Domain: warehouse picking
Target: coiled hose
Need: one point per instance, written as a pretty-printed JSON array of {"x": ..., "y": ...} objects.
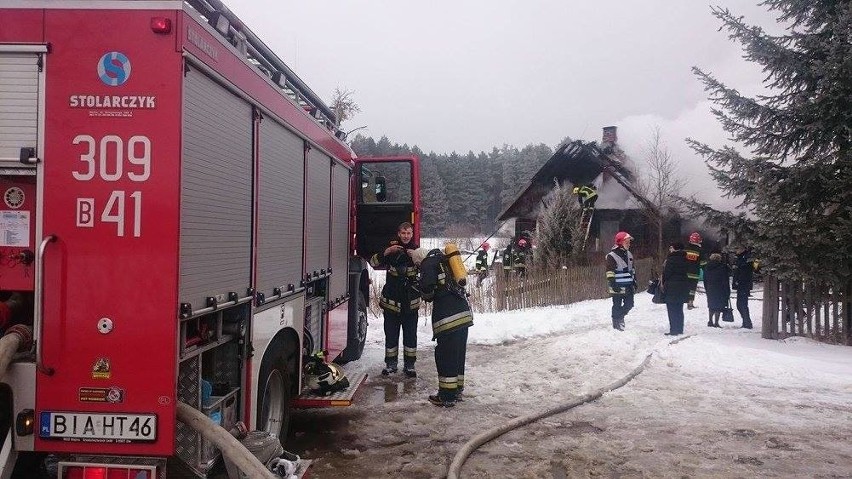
[
  {"x": 231, "y": 448},
  {"x": 480, "y": 439},
  {"x": 18, "y": 338}
]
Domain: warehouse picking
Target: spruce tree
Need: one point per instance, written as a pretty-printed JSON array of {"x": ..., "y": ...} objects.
[
  {"x": 792, "y": 166},
  {"x": 558, "y": 228}
]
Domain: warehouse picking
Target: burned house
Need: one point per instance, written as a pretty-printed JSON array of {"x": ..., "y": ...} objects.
[{"x": 620, "y": 205}]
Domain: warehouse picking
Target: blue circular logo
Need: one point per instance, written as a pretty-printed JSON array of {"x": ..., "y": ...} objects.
[{"x": 114, "y": 68}]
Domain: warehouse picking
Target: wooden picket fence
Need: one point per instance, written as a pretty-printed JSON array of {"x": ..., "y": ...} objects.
[
  {"x": 543, "y": 287},
  {"x": 798, "y": 308}
]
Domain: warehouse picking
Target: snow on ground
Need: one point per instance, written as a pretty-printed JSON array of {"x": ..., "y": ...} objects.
[{"x": 722, "y": 403}]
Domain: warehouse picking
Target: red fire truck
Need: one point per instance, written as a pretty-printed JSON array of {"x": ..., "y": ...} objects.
[{"x": 182, "y": 223}]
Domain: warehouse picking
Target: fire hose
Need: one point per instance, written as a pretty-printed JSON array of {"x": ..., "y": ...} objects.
[
  {"x": 231, "y": 448},
  {"x": 18, "y": 338},
  {"x": 484, "y": 437}
]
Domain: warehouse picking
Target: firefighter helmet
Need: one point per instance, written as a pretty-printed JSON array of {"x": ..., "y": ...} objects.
[
  {"x": 325, "y": 378},
  {"x": 621, "y": 237},
  {"x": 695, "y": 238},
  {"x": 486, "y": 246}
]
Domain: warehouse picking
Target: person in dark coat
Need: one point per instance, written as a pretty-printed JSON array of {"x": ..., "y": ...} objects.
[
  {"x": 399, "y": 300},
  {"x": 676, "y": 285},
  {"x": 451, "y": 317},
  {"x": 743, "y": 281},
  {"x": 717, "y": 287}
]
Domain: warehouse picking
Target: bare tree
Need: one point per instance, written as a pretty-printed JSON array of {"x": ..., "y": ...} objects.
[
  {"x": 343, "y": 104},
  {"x": 661, "y": 184}
]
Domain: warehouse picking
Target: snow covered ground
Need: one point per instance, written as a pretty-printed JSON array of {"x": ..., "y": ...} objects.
[{"x": 722, "y": 403}]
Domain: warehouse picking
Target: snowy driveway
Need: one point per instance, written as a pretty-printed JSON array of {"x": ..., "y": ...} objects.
[{"x": 723, "y": 403}]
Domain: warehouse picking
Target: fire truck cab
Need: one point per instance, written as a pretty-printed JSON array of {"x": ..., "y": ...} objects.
[{"x": 182, "y": 222}]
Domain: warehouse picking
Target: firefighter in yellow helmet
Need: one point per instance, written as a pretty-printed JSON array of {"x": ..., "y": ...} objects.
[{"x": 586, "y": 196}]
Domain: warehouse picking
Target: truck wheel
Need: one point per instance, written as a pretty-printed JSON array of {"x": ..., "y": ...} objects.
[
  {"x": 274, "y": 391},
  {"x": 357, "y": 335}
]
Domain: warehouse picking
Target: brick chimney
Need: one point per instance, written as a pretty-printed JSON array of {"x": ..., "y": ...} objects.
[{"x": 610, "y": 135}]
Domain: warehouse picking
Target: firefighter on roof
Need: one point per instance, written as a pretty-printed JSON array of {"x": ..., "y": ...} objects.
[
  {"x": 399, "y": 301},
  {"x": 696, "y": 261},
  {"x": 482, "y": 263},
  {"x": 451, "y": 317},
  {"x": 621, "y": 278},
  {"x": 586, "y": 196}
]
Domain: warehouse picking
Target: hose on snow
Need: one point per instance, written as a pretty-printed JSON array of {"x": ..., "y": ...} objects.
[
  {"x": 18, "y": 338},
  {"x": 231, "y": 448},
  {"x": 484, "y": 437}
]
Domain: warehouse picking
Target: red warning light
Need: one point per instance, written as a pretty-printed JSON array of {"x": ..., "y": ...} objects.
[{"x": 161, "y": 25}]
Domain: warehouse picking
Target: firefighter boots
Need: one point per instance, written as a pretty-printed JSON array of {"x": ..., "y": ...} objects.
[
  {"x": 409, "y": 371},
  {"x": 389, "y": 369}
]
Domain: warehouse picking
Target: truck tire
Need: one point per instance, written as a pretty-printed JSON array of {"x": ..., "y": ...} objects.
[
  {"x": 275, "y": 389},
  {"x": 357, "y": 331}
]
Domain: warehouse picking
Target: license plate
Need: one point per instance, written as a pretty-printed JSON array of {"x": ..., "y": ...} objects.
[{"x": 93, "y": 427}]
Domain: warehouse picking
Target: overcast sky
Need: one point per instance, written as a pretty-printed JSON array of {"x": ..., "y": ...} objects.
[{"x": 473, "y": 74}]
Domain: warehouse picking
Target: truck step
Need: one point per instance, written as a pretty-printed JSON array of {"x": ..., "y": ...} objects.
[{"x": 343, "y": 398}]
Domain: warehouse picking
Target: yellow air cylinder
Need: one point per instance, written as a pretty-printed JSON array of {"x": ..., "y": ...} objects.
[{"x": 457, "y": 269}]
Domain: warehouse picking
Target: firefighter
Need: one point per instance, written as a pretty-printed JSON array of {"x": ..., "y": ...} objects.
[
  {"x": 451, "y": 317},
  {"x": 696, "y": 261},
  {"x": 586, "y": 196},
  {"x": 621, "y": 278},
  {"x": 519, "y": 256},
  {"x": 482, "y": 263},
  {"x": 399, "y": 300},
  {"x": 508, "y": 258}
]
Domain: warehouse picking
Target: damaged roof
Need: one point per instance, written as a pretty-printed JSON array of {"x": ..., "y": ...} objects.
[{"x": 577, "y": 162}]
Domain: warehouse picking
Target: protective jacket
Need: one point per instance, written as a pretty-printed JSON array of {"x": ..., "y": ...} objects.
[
  {"x": 450, "y": 309},
  {"x": 482, "y": 260},
  {"x": 695, "y": 261},
  {"x": 508, "y": 258},
  {"x": 620, "y": 272},
  {"x": 586, "y": 195},
  {"x": 399, "y": 293}
]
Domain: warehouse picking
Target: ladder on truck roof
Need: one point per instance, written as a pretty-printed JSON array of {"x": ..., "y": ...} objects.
[{"x": 265, "y": 60}]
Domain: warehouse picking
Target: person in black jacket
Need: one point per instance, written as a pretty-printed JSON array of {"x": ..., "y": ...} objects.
[
  {"x": 717, "y": 287},
  {"x": 696, "y": 260},
  {"x": 399, "y": 301},
  {"x": 676, "y": 285},
  {"x": 743, "y": 282},
  {"x": 451, "y": 317}
]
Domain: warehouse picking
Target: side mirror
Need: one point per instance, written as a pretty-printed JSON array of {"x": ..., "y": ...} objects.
[{"x": 381, "y": 189}]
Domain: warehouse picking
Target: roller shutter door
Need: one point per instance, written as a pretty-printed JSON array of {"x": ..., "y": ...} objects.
[
  {"x": 281, "y": 197},
  {"x": 216, "y": 192},
  {"x": 317, "y": 221},
  {"x": 18, "y": 103},
  {"x": 339, "y": 231}
]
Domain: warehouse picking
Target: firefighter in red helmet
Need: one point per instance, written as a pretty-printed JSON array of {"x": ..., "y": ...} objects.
[
  {"x": 482, "y": 262},
  {"x": 621, "y": 278},
  {"x": 695, "y": 260}
]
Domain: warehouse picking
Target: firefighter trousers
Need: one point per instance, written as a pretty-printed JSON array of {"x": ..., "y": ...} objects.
[
  {"x": 450, "y": 355},
  {"x": 621, "y": 305},
  {"x": 407, "y": 321}
]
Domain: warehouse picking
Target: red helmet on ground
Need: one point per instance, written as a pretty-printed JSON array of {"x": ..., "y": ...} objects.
[
  {"x": 485, "y": 246},
  {"x": 695, "y": 238},
  {"x": 621, "y": 237}
]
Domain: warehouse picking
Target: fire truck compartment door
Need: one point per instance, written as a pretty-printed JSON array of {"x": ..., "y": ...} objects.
[
  {"x": 19, "y": 84},
  {"x": 216, "y": 192}
]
